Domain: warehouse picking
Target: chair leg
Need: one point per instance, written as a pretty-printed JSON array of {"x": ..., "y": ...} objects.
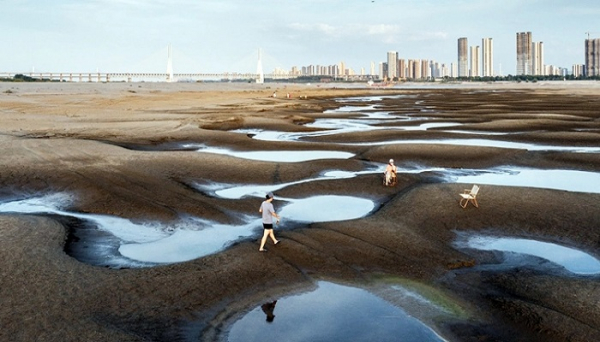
[
  {"x": 461, "y": 203},
  {"x": 475, "y": 203}
]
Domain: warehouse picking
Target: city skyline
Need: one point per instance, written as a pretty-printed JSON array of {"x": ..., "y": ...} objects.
[{"x": 219, "y": 36}]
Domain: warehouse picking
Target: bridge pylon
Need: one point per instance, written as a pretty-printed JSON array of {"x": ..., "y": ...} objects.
[
  {"x": 169, "y": 65},
  {"x": 259, "y": 70}
]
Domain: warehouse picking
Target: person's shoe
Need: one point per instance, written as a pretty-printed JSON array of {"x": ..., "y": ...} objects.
[
  {"x": 278, "y": 241},
  {"x": 262, "y": 250}
]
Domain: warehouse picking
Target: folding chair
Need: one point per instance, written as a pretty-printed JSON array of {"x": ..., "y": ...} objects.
[{"x": 469, "y": 196}]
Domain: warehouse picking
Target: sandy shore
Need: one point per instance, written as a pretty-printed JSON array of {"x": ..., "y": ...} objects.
[{"x": 99, "y": 142}]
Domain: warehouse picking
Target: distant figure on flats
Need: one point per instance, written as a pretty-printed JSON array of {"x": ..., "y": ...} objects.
[
  {"x": 268, "y": 212},
  {"x": 390, "y": 174}
]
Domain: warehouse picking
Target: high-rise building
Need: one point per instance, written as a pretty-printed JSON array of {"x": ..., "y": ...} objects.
[
  {"x": 417, "y": 72},
  {"x": 402, "y": 68},
  {"x": 474, "y": 61},
  {"x": 463, "y": 58},
  {"x": 372, "y": 69},
  {"x": 414, "y": 69},
  {"x": 487, "y": 58},
  {"x": 592, "y": 57},
  {"x": 524, "y": 58},
  {"x": 425, "y": 69},
  {"x": 392, "y": 62},
  {"x": 342, "y": 68},
  {"x": 382, "y": 70},
  {"x": 578, "y": 70},
  {"x": 537, "y": 59}
]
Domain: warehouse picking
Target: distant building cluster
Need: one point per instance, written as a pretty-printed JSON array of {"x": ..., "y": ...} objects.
[{"x": 472, "y": 61}]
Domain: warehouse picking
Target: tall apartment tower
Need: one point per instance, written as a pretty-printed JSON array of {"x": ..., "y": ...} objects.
[
  {"x": 524, "y": 58},
  {"x": 474, "y": 61},
  {"x": 417, "y": 72},
  {"x": 537, "y": 59},
  {"x": 402, "y": 68},
  {"x": 392, "y": 62},
  {"x": 487, "y": 58},
  {"x": 592, "y": 57},
  {"x": 463, "y": 57},
  {"x": 425, "y": 69}
]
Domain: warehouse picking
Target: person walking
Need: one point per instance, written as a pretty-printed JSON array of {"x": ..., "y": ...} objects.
[{"x": 268, "y": 212}]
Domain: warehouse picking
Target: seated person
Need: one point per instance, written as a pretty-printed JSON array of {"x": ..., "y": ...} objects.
[{"x": 390, "y": 172}]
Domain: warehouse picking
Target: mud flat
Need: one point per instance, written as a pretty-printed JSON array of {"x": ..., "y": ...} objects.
[{"x": 122, "y": 152}]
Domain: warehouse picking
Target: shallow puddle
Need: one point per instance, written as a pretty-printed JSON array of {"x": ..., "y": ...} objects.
[
  {"x": 573, "y": 260},
  {"x": 150, "y": 243},
  {"x": 231, "y": 191},
  {"x": 187, "y": 244},
  {"x": 567, "y": 180},
  {"x": 330, "y": 313},
  {"x": 280, "y": 156},
  {"x": 327, "y": 208},
  {"x": 486, "y": 143}
]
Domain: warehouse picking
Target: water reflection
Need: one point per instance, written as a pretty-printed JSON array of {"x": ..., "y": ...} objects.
[
  {"x": 268, "y": 309},
  {"x": 568, "y": 180},
  {"x": 232, "y": 191},
  {"x": 332, "y": 313},
  {"x": 280, "y": 156},
  {"x": 327, "y": 208},
  {"x": 573, "y": 260},
  {"x": 151, "y": 243},
  {"x": 486, "y": 143}
]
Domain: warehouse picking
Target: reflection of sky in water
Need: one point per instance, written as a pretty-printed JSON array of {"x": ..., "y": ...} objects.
[
  {"x": 375, "y": 98},
  {"x": 280, "y": 156},
  {"x": 50, "y": 204},
  {"x": 332, "y": 313},
  {"x": 191, "y": 238},
  {"x": 184, "y": 245},
  {"x": 573, "y": 260},
  {"x": 373, "y": 121},
  {"x": 334, "y": 126},
  {"x": 485, "y": 143},
  {"x": 568, "y": 180},
  {"x": 232, "y": 191},
  {"x": 350, "y": 109},
  {"x": 327, "y": 208}
]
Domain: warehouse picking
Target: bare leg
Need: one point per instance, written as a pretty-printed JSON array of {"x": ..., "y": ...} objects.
[
  {"x": 264, "y": 239},
  {"x": 272, "y": 235}
]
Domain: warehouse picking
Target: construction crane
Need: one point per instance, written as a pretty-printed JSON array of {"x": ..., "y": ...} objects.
[{"x": 588, "y": 34}]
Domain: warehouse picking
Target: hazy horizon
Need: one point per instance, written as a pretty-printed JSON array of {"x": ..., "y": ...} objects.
[{"x": 219, "y": 36}]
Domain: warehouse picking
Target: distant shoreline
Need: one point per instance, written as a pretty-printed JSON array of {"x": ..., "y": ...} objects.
[{"x": 86, "y": 87}]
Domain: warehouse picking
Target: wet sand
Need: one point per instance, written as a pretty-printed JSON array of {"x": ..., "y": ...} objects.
[{"x": 99, "y": 143}]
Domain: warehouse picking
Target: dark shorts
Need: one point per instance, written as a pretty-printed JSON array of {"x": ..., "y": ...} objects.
[{"x": 267, "y": 225}]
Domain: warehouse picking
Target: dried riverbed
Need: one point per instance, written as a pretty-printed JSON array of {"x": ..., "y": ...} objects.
[{"x": 152, "y": 162}]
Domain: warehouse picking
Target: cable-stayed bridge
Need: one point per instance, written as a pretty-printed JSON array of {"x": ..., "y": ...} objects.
[
  {"x": 141, "y": 76},
  {"x": 168, "y": 76}
]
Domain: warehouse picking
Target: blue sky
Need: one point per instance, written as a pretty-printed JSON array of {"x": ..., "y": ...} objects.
[{"x": 225, "y": 35}]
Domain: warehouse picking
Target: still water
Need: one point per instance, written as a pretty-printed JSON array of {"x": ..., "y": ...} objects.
[
  {"x": 332, "y": 312},
  {"x": 148, "y": 243},
  {"x": 573, "y": 260}
]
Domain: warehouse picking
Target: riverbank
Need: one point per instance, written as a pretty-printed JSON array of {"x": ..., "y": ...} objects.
[{"x": 95, "y": 142}]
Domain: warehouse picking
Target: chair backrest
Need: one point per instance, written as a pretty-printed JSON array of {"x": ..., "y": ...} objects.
[{"x": 475, "y": 190}]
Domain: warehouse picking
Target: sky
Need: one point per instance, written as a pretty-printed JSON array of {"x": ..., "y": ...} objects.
[{"x": 216, "y": 36}]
